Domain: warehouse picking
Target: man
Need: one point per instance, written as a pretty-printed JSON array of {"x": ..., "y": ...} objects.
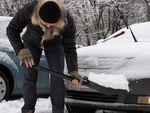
[{"x": 50, "y": 28}]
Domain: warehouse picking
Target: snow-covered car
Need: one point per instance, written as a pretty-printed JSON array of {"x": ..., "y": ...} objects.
[
  {"x": 11, "y": 73},
  {"x": 116, "y": 56}
]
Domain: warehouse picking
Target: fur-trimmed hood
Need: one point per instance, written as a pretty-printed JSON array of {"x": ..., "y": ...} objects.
[{"x": 49, "y": 33}]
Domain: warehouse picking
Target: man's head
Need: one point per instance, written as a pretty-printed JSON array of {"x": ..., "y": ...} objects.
[{"x": 50, "y": 12}]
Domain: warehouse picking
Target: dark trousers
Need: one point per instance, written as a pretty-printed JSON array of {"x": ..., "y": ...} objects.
[{"x": 55, "y": 58}]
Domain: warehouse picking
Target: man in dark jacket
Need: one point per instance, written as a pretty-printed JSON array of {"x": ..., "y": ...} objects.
[{"x": 50, "y": 28}]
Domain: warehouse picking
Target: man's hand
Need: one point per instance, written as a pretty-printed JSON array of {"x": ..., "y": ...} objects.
[
  {"x": 26, "y": 57},
  {"x": 78, "y": 76}
]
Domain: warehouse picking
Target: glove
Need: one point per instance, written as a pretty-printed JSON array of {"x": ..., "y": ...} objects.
[
  {"x": 77, "y": 75},
  {"x": 25, "y": 56}
]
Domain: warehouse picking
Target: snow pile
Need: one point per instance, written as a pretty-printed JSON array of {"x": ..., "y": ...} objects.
[
  {"x": 11, "y": 106},
  {"x": 131, "y": 59},
  {"x": 111, "y": 81},
  {"x": 43, "y": 105}
]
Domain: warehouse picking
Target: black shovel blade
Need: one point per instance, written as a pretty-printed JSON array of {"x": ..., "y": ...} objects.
[{"x": 101, "y": 89}]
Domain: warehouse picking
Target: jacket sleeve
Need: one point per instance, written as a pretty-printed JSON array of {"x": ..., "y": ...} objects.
[
  {"x": 69, "y": 43},
  {"x": 16, "y": 26}
]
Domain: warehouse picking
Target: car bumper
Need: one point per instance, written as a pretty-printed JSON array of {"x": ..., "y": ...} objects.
[
  {"x": 85, "y": 97},
  {"x": 106, "y": 106}
]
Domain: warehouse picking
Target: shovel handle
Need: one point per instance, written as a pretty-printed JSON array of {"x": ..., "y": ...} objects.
[{"x": 61, "y": 75}]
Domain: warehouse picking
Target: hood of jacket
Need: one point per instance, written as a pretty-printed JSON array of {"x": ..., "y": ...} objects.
[{"x": 49, "y": 33}]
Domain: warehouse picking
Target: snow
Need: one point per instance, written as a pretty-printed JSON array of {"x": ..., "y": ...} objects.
[
  {"x": 43, "y": 105},
  {"x": 4, "y": 57},
  {"x": 119, "y": 59},
  {"x": 4, "y": 18},
  {"x": 11, "y": 106},
  {"x": 111, "y": 81}
]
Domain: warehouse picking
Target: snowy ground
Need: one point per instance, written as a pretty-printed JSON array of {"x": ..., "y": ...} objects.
[{"x": 43, "y": 106}]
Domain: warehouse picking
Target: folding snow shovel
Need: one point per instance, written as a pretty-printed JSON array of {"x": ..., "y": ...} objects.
[{"x": 101, "y": 89}]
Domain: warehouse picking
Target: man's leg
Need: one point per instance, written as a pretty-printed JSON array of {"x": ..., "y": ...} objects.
[
  {"x": 30, "y": 78},
  {"x": 55, "y": 58}
]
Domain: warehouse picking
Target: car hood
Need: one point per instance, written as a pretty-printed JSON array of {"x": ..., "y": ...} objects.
[
  {"x": 130, "y": 58},
  {"x": 5, "y": 45}
]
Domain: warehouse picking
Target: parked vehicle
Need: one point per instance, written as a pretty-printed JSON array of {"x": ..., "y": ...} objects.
[
  {"x": 119, "y": 55},
  {"x": 11, "y": 73}
]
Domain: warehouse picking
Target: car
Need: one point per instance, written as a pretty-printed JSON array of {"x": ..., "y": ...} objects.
[
  {"x": 115, "y": 56},
  {"x": 11, "y": 73}
]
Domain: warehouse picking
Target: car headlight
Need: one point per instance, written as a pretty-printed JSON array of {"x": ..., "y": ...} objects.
[
  {"x": 143, "y": 100},
  {"x": 137, "y": 99}
]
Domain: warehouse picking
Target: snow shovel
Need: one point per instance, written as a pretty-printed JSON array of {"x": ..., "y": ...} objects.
[{"x": 101, "y": 89}]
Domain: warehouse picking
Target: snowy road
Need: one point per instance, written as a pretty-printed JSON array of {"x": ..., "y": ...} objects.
[{"x": 43, "y": 106}]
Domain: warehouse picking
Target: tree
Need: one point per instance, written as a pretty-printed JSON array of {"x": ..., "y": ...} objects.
[{"x": 10, "y": 7}]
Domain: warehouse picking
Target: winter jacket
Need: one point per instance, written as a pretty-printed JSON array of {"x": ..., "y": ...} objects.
[{"x": 38, "y": 34}]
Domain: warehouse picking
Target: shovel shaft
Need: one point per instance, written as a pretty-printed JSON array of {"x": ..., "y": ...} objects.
[
  {"x": 70, "y": 78},
  {"x": 54, "y": 73}
]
